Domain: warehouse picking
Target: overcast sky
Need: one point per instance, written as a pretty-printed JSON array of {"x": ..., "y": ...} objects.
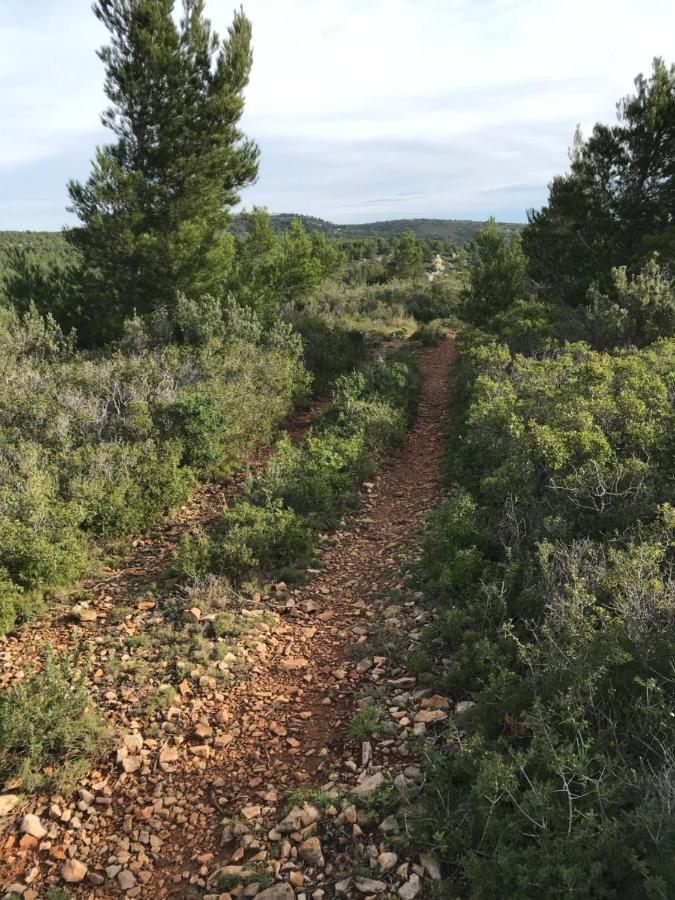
[{"x": 363, "y": 109}]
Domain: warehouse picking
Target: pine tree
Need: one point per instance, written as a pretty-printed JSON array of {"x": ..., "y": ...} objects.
[
  {"x": 496, "y": 275},
  {"x": 407, "y": 258},
  {"x": 616, "y": 205},
  {"x": 154, "y": 210}
]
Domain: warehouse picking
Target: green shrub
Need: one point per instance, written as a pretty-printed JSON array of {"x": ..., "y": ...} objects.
[
  {"x": 638, "y": 311},
  {"x": 364, "y": 724},
  {"x": 248, "y": 539},
  {"x": 328, "y": 349},
  {"x": 314, "y": 478},
  {"x": 12, "y": 602},
  {"x": 123, "y": 488},
  {"x": 431, "y": 334},
  {"x": 47, "y": 721},
  {"x": 551, "y": 564},
  {"x": 103, "y": 444}
]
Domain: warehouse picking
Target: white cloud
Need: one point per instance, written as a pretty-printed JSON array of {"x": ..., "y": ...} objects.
[{"x": 362, "y": 108}]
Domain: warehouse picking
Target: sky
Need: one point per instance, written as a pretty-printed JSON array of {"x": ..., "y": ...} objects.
[{"x": 363, "y": 109}]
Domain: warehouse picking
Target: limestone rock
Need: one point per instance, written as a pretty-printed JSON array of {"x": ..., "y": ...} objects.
[
  {"x": 277, "y": 892},
  {"x": 386, "y": 861},
  {"x": 32, "y": 825},
  {"x": 310, "y": 852},
  {"x": 7, "y": 803},
  {"x": 431, "y": 866},
  {"x": 369, "y": 784},
  {"x": 73, "y": 871},
  {"x": 430, "y": 715},
  {"x": 370, "y": 886},
  {"x": 126, "y": 879},
  {"x": 411, "y": 888}
]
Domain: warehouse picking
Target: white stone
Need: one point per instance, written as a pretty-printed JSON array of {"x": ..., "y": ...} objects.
[
  {"x": 32, "y": 825},
  {"x": 411, "y": 888},
  {"x": 7, "y": 803},
  {"x": 73, "y": 871}
]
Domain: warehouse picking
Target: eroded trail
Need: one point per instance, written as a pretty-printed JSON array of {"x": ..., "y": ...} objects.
[{"x": 153, "y": 824}]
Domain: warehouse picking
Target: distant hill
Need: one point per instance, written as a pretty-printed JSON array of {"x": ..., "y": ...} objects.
[{"x": 458, "y": 230}]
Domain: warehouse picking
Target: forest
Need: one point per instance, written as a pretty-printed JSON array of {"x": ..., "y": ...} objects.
[{"x": 200, "y": 410}]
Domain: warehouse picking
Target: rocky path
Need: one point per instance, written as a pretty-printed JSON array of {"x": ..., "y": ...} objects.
[{"x": 197, "y": 802}]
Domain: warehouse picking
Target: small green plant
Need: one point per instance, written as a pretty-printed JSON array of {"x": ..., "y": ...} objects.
[
  {"x": 318, "y": 797},
  {"x": 384, "y": 801},
  {"x": 160, "y": 698},
  {"x": 418, "y": 661},
  {"x": 48, "y": 721},
  {"x": 227, "y": 625},
  {"x": 56, "y": 893},
  {"x": 364, "y": 724}
]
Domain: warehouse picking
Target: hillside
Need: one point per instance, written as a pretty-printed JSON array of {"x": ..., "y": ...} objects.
[{"x": 458, "y": 230}]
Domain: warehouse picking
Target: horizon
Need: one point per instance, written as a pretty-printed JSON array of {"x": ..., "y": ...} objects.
[
  {"x": 301, "y": 215},
  {"x": 476, "y": 123}
]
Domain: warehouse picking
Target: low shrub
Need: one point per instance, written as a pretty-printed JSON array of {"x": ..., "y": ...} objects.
[
  {"x": 99, "y": 444},
  {"x": 314, "y": 478},
  {"x": 49, "y": 729},
  {"x": 551, "y": 565},
  {"x": 247, "y": 539}
]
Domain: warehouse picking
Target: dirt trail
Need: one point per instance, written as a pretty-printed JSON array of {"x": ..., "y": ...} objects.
[{"x": 233, "y": 750}]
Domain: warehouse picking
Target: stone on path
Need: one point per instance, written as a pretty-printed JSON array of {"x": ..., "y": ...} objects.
[
  {"x": 310, "y": 852},
  {"x": 370, "y": 886},
  {"x": 32, "y": 825},
  {"x": 7, "y": 803},
  {"x": 369, "y": 784},
  {"x": 277, "y": 892},
  {"x": 411, "y": 888},
  {"x": 73, "y": 871},
  {"x": 126, "y": 879}
]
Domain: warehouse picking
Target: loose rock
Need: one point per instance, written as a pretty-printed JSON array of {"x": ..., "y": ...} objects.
[{"x": 73, "y": 871}]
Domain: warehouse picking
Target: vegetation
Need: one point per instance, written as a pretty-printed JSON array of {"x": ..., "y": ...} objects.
[
  {"x": 49, "y": 731},
  {"x": 457, "y": 231},
  {"x": 551, "y": 560},
  {"x": 154, "y": 211},
  {"x": 155, "y": 345},
  {"x": 159, "y": 342},
  {"x": 614, "y": 206},
  {"x": 305, "y": 489},
  {"x": 96, "y": 445}
]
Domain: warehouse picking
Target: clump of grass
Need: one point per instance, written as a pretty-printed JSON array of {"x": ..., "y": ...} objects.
[
  {"x": 160, "y": 698},
  {"x": 318, "y": 797},
  {"x": 57, "y": 893},
  {"x": 364, "y": 724},
  {"x": 258, "y": 876},
  {"x": 49, "y": 728},
  {"x": 418, "y": 661},
  {"x": 226, "y": 625}
]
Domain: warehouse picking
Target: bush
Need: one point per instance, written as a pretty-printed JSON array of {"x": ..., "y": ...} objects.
[
  {"x": 248, "y": 539},
  {"x": 47, "y": 722},
  {"x": 329, "y": 350},
  {"x": 551, "y": 563},
  {"x": 95, "y": 445},
  {"x": 314, "y": 478},
  {"x": 638, "y": 311},
  {"x": 12, "y": 601}
]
